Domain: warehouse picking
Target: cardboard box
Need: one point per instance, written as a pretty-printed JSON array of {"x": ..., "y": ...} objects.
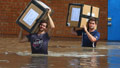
[
  {"x": 32, "y": 15},
  {"x": 78, "y": 14}
]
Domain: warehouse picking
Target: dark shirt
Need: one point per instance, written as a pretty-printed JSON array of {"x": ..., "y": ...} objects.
[
  {"x": 85, "y": 40},
  {"x": 39, "y": 43}
]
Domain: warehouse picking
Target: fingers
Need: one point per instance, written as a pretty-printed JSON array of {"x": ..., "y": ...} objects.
[
  {"x": 85, "y": 28},
  {"x": 73, "y": 29},
  {"x": 49, "y": 10}
]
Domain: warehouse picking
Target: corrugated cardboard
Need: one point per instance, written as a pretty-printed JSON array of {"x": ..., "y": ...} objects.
[
  {"x": 69, "y": 22},
  {"x": 32, "y": 15},
  {"x": 86, "y": 11}
]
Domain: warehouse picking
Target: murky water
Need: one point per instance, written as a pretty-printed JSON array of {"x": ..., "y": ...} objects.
[{"x": 62, "y": 54}]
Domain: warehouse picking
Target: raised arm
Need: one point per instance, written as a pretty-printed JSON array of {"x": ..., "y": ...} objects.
[
  {"x": 20, "y": 37},
  {"x": 77, "y": 31},
  {"x": 73, "y": 31},
  {"x": 92, "y": 38},
  {"x": 52, "y": 25}
]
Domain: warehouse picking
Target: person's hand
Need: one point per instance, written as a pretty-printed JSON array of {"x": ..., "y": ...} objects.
[
  {"x": 73, "y": 29},
  {"x": 85, "y": 28},
  {"x": 49, "y": 11},
  {"x": 50, "y": 19}
]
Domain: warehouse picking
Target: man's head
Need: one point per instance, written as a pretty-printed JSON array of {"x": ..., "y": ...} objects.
[
  {"x": 92, "y": 23},
  {"x": 43, "y": 25}
]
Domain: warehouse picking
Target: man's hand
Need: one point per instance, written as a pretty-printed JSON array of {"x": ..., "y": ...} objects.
[
  {"x": 73, "y": 31},
  {"x": 85, "y": 28},
  {"x": 20, "y": 37},
  {"x": 50, "y": 19},
  {"x": 49, "y": 11}
]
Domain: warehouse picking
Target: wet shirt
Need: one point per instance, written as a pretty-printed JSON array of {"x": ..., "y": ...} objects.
[
  {"x": 39, "y": 43},
  {"x": 85, "y": 40}
]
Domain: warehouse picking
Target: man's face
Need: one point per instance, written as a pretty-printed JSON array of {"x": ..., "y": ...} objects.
[
  {"x": 43, "y": 26},
  {"x": 92, "y": 25}
]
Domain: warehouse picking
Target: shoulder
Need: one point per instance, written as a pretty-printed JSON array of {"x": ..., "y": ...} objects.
[
  {"x": 43, "y": 35},
  {"x": 31, "y": 34},
  {"x": 46, "y": 34},
  {"x": 96, "y": 33}
]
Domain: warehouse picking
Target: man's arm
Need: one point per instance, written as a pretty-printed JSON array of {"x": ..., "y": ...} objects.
[
  {"x": 50, "y": 20},
  {"x": 73, "y": 31},
  {"x": 20, "y": 37},
  {"x": 77, "y": 31},
  {"x": 92, "y": 38},
  {"x": 52, "y": 25}
]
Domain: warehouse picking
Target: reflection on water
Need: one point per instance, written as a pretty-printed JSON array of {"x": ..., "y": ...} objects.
[
  {"x": 12, "y": 60},
  {"x": 87, "y": 58},
  {"x": 113, "y": 59},
  {"x": 38, "y": 62},
  {"x": 84, "y": 62},
  {"x": 61, "y": 55}
]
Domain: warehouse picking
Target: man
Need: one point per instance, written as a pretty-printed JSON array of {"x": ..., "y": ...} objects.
[
  {"x": 90, "y": 35},
  {"x": 39, "y": 41}
]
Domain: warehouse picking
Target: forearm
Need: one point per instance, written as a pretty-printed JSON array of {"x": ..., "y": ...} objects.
[
  {"x": 51, "y": 21},
  {"x": 92, "y": 38},
  {"x": 23, "y": 40},
  {"x": 73, "y": 31},
  {"x": 20, "y": 37}
]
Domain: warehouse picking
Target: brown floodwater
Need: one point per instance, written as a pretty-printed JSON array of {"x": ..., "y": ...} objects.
[{"x": 63, "y": 53}]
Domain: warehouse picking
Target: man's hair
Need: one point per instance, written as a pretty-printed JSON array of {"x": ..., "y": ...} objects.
[
  {"x": 92, "y": 19},
  {"x": 44, "y": 21}
]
